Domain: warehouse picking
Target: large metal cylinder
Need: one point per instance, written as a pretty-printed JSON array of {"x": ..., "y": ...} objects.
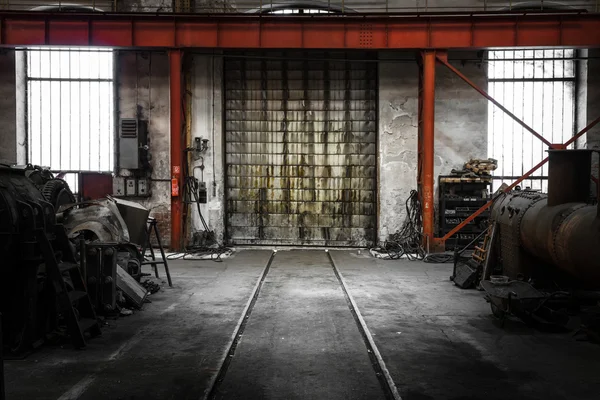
[
  {"x": 566, "y": 235},
  {"x": 559, "y": 228}
]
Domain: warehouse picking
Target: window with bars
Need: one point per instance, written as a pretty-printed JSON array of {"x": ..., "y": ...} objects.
[
  {"x": 538, "y": 86},
  {"x": 70, "y": 110}
]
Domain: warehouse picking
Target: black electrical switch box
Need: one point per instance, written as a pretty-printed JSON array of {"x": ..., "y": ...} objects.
[{"x": 202, "y": 193}]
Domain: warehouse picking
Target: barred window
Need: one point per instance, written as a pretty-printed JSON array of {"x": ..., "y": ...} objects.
[
  {"x": 538, "y": 86},
  {"x": 70, "y": 104}
]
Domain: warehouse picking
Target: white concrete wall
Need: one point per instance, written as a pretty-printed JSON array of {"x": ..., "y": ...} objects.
[
  {"x": 207, "y": 72},
  {"x": 460, "y": 128},
  {"x": 143, "y": 93}
]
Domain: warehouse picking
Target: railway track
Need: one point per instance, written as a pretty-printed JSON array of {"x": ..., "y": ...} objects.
[{"x": 389, "y": 390}]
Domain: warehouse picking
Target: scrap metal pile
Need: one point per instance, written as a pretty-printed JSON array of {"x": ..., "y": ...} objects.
[
  {"x": 541, "y": 258},
  {"x": 64, "y": 264}
]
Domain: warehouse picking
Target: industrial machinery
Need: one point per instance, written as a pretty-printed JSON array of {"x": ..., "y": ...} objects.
[
  {"x": 560, "y": 229},
  {"x": 62, "y": 262},
  {"x": 41, "y": 284},
  {"x": 548, "y": 245}
]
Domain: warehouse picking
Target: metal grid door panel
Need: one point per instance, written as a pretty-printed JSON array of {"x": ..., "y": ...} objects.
[{"x": 301, "y": 150}]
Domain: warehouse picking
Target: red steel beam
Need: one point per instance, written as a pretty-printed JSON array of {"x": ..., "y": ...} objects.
[
  {"x": 245, "y": 31},
  {"x": 427, "y": 141},
  {"x": 177, "y": 144}
]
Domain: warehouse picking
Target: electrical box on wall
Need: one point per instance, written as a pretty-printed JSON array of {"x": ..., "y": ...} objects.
[
  {"x": 134, "y": 156},
  {"x": 133, "y": 144},
  {"x": 142, "y": 187},
  {"x": 131, "y": 187},
  {"x": 118, "y": 186}
]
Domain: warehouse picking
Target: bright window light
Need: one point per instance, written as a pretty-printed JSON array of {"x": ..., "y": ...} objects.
[{"x": 538, "y": 86}]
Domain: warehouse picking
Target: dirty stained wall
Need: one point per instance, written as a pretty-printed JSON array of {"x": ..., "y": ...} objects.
[
  {"x": 461, "y": 131},
  {"x": 460, "y": 128},
  {"x": 143, "y": 93}
]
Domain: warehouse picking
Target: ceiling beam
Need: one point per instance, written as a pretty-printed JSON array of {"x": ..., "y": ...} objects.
[{"x": 317, "y": 31}]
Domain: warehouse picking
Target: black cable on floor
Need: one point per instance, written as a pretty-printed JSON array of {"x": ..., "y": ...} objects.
[
  {"x": 209, "y": 243},
  {"x": 407, "y": 241}
]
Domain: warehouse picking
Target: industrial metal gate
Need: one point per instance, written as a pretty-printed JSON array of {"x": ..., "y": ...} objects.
[{"x": 301, "y": 149}]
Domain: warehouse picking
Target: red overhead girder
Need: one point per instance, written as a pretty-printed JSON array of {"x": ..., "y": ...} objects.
[{"x": 316, "y": 31}]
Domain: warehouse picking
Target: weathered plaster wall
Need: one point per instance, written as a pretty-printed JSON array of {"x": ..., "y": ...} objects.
[
  {"x": 460, "y": 128},
  {"x": 143, "y": 93},
  {"x": 206, "y": 84}
]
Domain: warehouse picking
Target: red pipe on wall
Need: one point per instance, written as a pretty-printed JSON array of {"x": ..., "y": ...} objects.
[{"x": 175, "y": 83}]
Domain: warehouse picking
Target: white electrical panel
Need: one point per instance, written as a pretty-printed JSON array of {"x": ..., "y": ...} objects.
[
  {"x": 130, "y": 187},
  {"x": 118, "y": 186}
]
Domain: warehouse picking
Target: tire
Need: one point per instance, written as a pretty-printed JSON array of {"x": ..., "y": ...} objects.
[{"x": 58, "y": 193}]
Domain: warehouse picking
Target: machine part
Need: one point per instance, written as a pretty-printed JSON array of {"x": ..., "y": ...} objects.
[
  {"x": 129, "y": 257},
  {"x": 26, "y": 297},
  {"x": 524, "y": 301},
  {"x": 135, "y": 216},
  {"x": 99, "y": 220},
  {"x": 38, "y": 175},
  {"x": 58, "y": 193},
  {"x": 101, "y": 275},
  {"x": 535, "y": 234},
  {"x": 466, "y": 274},
  {"x": 132, "y": 290},
  {"x": 569, "y": 176}
]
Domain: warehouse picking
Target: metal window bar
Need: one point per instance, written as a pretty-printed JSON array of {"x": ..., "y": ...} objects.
[
  {"x": 538, "y": 86},
  {"x": 70, "y": 102}
]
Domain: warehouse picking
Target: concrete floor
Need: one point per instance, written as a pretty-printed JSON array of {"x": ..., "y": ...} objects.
[{"x": 301, "y": 342}]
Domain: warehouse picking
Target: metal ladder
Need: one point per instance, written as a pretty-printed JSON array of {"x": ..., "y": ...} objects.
[
  {"x": 76, "y": 306},
  {"x": 482, "y": 254},
  {"x": 153, "y": 228}
]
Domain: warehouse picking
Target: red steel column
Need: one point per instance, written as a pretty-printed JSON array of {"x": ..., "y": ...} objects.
[
  {"x": 175, "y": 82},
  {"x": 426, "y": 163}
]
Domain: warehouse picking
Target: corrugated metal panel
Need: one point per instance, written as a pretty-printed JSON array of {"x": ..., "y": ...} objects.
[{"x": 301, "y": 151}]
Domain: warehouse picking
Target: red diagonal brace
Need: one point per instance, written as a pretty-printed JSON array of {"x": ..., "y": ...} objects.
[
  {"x": 581, "y": 132},
  {"x": 443, "y": 61}
]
